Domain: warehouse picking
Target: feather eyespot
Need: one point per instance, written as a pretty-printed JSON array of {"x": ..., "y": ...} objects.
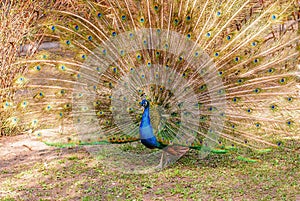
[
  {"x": 255, "y": 61},
  {"x": 122, "y": 52},
  {"x": 254, "y": 44},
  {"x": 176, "y": 21},
  {"x": 240, "y": 81},
  {"x": 38, "y": 68},
  {"x": 274, "y": 16},
  {"x": 282, "y": 81},
  {"x": 273, "y": 107},
  {"x": 257, "y": 90},
  {"x": 221, "y": 91},
  {"x": 237, "y": 59},
  {"x": 156, "y": 7},
  {"x": 203, "y": 87}
]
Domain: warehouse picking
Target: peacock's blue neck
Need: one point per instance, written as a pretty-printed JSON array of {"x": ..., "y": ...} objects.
[
  {"x": 145, "y": 122},
  {"x": 146, "y": 131}
]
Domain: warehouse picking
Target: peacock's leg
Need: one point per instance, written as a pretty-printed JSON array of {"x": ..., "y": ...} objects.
[{"x": 161, "y": 165}]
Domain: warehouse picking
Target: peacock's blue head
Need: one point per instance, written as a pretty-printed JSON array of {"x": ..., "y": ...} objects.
[{"x": 144, "y": 103}]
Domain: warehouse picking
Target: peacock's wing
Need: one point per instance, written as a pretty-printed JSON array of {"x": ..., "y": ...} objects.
[{"x": 215, "y": 73}]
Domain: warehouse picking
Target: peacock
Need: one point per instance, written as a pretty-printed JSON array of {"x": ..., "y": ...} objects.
[{"x": 141, "y": 82}]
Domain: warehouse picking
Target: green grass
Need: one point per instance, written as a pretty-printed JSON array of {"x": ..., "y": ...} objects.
[{"x": 78, "y": 176}]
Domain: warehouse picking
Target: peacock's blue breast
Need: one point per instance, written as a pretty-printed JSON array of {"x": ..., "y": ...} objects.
[
  {"x": 150, "y": 143},
  {"x": 147, "y": 137}
]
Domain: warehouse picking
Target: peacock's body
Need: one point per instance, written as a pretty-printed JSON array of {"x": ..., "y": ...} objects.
[
  {"x": 214, "y": 74},
  {"x": 146, "y": 131}
]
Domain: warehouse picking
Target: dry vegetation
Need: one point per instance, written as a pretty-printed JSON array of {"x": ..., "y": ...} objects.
[
  {"x": 21, "y": 36},
  {"x": 17, "y": 28}
]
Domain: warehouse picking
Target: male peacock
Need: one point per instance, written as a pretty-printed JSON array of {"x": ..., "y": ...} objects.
[{"x": 213, "y": 75}]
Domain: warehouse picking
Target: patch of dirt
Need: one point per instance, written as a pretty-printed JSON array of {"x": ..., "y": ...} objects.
[
  {"x": 21, "y": 153},
  {"x": 18, "y": 150},
  {"x": 21, "y": 149}
]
